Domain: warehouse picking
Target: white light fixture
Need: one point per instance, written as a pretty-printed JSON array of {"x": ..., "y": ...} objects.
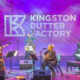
[
  {"x": 15, "y": 53},
  {"x": 77, "y": 54}
]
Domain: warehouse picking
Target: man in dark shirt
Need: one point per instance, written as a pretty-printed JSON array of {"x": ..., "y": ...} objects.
[{"x": 49, "y": 59}]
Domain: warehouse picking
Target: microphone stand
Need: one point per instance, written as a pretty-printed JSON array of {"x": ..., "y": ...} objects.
[
  {"x": 40, "y": 57},
  {"x": 18, "y": 52}
]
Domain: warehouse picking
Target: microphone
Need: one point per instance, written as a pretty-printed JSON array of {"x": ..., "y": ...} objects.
[{"x": 44, "y": 48}]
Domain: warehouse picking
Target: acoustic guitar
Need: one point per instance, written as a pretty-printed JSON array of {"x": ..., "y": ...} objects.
[{"x": 46, "y": 57}]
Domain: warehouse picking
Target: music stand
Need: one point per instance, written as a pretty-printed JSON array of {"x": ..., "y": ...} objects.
[
  {"x": 9, "y": 55},
  {"x": 34, "y": 58}
]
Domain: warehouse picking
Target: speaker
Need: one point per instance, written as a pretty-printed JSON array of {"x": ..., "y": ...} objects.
[
  {"x": 2, "y": 75},
  {"x": 42, "y": 75},
  {"x": 25, "y": 64}
]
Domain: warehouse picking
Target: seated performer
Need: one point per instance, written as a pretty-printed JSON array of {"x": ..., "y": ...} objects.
[{"x": 49, "y": 59}]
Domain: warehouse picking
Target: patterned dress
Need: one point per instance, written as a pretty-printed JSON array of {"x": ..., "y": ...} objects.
[{"x": 2, "y": 66}]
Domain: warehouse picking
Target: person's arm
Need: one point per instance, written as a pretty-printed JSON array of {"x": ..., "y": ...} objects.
[
  {"x": 7, "y": 45},
  {"x": 33, "y": 38},
  {"x": 54, "y": 55},
  {"x": 45, "y": 54}
]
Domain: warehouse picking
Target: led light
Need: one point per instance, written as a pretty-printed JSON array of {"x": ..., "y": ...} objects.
[
  {"x": 77, "y": 54},
  {"x": 20, "y": 77}
]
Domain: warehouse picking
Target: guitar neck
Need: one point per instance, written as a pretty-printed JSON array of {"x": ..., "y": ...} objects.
[{"x": 9, "y": 43}]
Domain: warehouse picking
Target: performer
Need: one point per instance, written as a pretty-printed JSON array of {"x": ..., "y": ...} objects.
[
  {"x": 49, "y": 59},
  {"x": 2, "y": 66},
  {"x": 30, "y": 44},
  {"x": 29, "y": 41}
]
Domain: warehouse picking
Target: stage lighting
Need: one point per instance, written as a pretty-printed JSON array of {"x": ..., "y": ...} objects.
[
  {"x": 78, "y": 55},
  {"x": 20, "y": 78}
]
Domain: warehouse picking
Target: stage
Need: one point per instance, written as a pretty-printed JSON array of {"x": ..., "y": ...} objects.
[
  {"x": 71, "y": 75},
  {"x": 45, "y": 31},
  {"x": 74, "y": 75}
]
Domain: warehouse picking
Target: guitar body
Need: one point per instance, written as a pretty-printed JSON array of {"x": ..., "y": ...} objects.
[{"x": 46, "y": 57}]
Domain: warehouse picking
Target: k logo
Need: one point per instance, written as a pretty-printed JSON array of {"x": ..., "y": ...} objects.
[{"x": 13, "y": 23}]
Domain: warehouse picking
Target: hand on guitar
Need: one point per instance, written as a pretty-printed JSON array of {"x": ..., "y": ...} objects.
[{"x": 46, "y": 58}]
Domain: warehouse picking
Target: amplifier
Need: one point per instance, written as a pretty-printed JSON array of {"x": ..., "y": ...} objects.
[
  {"x": 26, "y": 64},
  {"x": 42, "y": 75}
]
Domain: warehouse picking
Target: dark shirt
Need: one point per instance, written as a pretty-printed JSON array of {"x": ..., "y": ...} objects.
[{"x": 52, "y": 56}]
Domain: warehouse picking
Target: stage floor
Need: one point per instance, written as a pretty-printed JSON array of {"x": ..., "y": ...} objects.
[{"x": 74, "y": 75}]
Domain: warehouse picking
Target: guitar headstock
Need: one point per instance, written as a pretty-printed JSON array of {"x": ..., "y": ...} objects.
[
  {"x": 32, "y": 31},
  {"x": 9, "y": 43}
]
